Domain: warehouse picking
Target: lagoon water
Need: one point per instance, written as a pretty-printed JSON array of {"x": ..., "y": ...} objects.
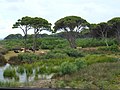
[
  {"x": 23, "y": 77},
  {"x": 1, "y": 72}
]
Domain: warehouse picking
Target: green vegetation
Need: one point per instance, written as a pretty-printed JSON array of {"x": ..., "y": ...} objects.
[
  {"x": 28, "y": 57},
  {"x": 95, "y": 76},
  {"x": 93, "y": 42},
  {"x": 10, "y": 73},
  {"x": 9, "y": 84},
  {"x": 67, "y": 68},
  {"x": 20, "y": 70},
  {"x": 90, "y": 59},
  {"x": 113, "y": 48},
  {"x": 86, "y": 61}
]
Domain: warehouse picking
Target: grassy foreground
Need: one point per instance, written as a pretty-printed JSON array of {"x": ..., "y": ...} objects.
[{"x": 91, "y": 66}]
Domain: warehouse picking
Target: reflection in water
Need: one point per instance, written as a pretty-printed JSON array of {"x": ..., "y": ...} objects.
[
  {"x": 23, "y": 77},
  {"x": 1, "y": 73},
  {"x": 6, "y": 66}
]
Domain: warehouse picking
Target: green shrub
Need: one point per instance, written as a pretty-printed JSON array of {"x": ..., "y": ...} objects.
[
  {"x": 60, "y": 55},
  {"x": 9, "y": 73},
  {"x": 114, "y": 48},
  {"x": 28, "y": 71},
  {"x": 73, "y": 52},
  {"x": 36, "y": 74},
  {"x": 13, "y": 43},
  {"x": 93, "y": 42},
  {"x": 58, "y": 51},
  {"x": 52, "y": 43},
  {"x": 46, "y": 46},
  {"x": 52, "y": 55},
  {"x": 16, "y": 77},
  {"x": 80, "y": 63},
  {"x": 67, "y": 68},
  {"x": 53, "y": 69},
  {"x": 49, "y": 55},
  {"x": 42, "y": 70},
  {"x": 63, "y": 53},
  {"x": 28, "y": 57},
  {"x": 90, "y": 59},
  {"x": 20, "y": 70}
]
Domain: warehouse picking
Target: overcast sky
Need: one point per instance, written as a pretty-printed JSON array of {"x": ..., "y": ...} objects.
[{"x": 94, "y": 11}]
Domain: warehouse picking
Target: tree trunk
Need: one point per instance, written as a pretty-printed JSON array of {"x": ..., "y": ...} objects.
[
  {"x": 104, "y": 36},
  {"x": 71, "y": 39},
  {"x": 106, "y": 42},
  {"x": 118, "y": 36},
  {"x": 25, "y": 42},
  {"x": 34, "y": 41},
  {"x": 72, "y": 42}
]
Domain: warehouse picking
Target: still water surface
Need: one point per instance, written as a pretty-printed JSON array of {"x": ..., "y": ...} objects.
[{"x": 23, "y": 77}]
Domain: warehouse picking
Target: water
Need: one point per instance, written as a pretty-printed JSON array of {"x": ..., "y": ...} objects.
[
  {"x": 23, "y": 77},
  {"x": 1, "y": 73}
]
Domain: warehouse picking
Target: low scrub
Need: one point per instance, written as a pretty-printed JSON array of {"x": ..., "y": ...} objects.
[
  {"x": 28, "y": 57},
  {"x": 90, "y": 59},
  {"x": 67, "y": 68},
  {"x": 9, "y": 73},
  {"x": 20, "y": 70},
  {"x": 98, "y": 76},
  {"x": 52, "y": 55},
  {"x": 9, "y": 84},
  {"x": 93, "y": 42},
  {"x": 80, "y": 63},
  {"x": 113, "y": 48},
  {"x": 73, "y": 52}
]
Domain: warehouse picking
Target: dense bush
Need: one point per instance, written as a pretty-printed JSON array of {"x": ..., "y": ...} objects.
[
  {"x": 90, "y": 59},
  {"x": 73, "y": 52},
  {"x": 20, "y": 70},
  {"x": 67, "y": 68},
  {"x": 28, "y": 70},
  {"x": 63, "y": 53},
  {"x": 80, "y": 63},
  {"x": 92, "y": 42},
  {"x": 13, "y": 43},
  {"x": 52, "y": 55},
  {"x": 114, "y": 48},
  {"x": 52, "y": 43},
  {"x": 28, "y": 57},
  {"x": 98, "y": 76},
  {"x": 9, "y": 73},
  {"x": 23, "y": 58}
]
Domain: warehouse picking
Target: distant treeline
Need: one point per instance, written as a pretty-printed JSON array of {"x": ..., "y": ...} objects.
[{"x": 60, "y": 35}]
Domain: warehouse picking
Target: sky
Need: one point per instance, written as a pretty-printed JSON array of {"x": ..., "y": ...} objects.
[{"x": 94, "y": 11}]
